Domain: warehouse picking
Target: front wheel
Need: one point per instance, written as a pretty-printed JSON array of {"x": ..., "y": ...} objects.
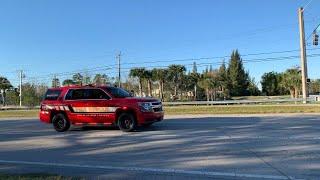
[
  {"x": 60, "y": 122},
  {"x": 127, "y": 122}
]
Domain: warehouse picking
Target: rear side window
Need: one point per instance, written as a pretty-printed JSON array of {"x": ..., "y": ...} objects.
[
  {"x": 52, "y": 94},
  {"x": 75, "y": 94},
  {"x": 97, "y": 94}
]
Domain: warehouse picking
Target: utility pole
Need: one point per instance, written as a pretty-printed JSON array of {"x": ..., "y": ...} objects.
[
  {"x": 303, "y": 56},
  {"x": 119, "y": 69},
  {"x": 20, "y": 94}
]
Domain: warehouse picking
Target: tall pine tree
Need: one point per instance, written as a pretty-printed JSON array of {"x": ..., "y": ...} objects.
[
  {"x": 238, "y": 78},
  {"x": 223, "y": 80},
  {"x": 194, "y": 68}
]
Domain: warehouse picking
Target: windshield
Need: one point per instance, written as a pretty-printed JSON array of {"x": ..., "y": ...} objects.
[{"x": 118, "y": 92}]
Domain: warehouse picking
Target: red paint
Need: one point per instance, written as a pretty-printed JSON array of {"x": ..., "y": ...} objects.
[{"x": 115, "y": 106}]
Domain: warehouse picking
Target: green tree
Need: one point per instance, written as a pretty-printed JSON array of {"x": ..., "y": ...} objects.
[
  {"x": 223, "y": 80},
  {"x": 139, "y": 74},
  {"x": 210, "y": 82},
  {"x": 194, "y": 68},
  {"x": 77, "y": 78},
  {"x": 147, "y": 75},
  {"x": 12, "y": 97},
  {"x": 270, "y": 83},
  {"x": 68, "y": 82},
  {"x": 238, "y": 78},
  {"x": 194, "y": 79},
  {"x": 159, "y": 75},
  {"x": 55, "y": 82},
  {"x": 175, "y": 75},
  {"x": 253, "y": 89},
  {"x": 315, "y": 86},
  {"x": 4, "y": 86},
  {"x": 100, "y": 79},
  {"x": 291, "y": 79},
  {"x": 205, "y": 83},
  {"x": 30, "y": 97}
]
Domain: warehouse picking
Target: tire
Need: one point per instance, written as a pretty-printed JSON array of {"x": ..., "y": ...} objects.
[
  {"x": 127, "y": 122},
  {"x": 60, "y": 122}
]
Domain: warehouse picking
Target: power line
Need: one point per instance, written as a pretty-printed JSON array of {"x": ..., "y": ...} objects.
[
  {"x": 313, "y": 31},
  {"x": 257, "y": 60},
  {"x": 100, "y": 68},
  {"x": 306, "y": 5},
  {"x": 216, "y": 57},
  {"x": 109, "y": 67}
]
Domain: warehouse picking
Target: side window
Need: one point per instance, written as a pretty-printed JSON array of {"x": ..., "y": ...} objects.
[
  {"x": 74, "y": 94},
  {"x": 97, "y": 94},
  {"x": 69, "y": 95}
]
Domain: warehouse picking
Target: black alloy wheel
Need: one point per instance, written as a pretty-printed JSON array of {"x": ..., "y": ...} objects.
[
  {"x": 60, "y": 122},
  {"x": 126, "y": 122}
]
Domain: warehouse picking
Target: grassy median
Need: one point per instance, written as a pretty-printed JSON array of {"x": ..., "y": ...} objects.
[
  {"x": 217, "y": 109},
  {"x": 242, "y": 109},
  {"x": 18, "y": 113},
  {"x": 35, "y": 177}
]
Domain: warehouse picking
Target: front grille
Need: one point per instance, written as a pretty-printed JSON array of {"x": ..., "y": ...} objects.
[
  {"x": 157, "y": 106},
  {"x": 156, "y": 103},
  {"x": 157, "y": 109}
]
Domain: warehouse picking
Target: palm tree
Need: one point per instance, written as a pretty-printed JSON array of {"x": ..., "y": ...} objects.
[
  {"x": 175, "y": 75},
  {"x": 210, "y": 82},
  {"x": 139, "y": 74},
  {"x": 55, "y": 82},
  {"x": 77, "y": 78},
  {"x": 292, "y": 81},
  {"x": 205, "y": 83},
  {"x": 148, "y": 76},
  {"x": 159, "y": 75},
  {"x": 195, "y": 79},
  {"x": 100, "y": 79},
  {"x": 4, "y": 86}
]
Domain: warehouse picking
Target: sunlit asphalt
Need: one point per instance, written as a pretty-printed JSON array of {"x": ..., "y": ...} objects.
[{"x": 183, "y": 147}]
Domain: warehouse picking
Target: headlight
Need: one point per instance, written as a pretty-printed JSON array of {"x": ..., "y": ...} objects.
[{"x": 145, "y": 107}]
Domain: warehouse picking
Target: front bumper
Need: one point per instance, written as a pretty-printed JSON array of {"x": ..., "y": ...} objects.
[{"x": 149, "y": 117}]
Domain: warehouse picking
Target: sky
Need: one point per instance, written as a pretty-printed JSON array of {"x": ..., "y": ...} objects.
[{"x": 46, "y": 37}]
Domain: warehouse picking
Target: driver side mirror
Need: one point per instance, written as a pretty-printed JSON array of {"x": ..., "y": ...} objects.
[{"x": 132, "y": 93}]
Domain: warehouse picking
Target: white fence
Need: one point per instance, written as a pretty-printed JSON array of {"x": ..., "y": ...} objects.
[{"x": 178, "y": 103}]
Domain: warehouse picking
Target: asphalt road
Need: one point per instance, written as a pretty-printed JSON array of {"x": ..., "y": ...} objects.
[{"x": 225, "y": 147}]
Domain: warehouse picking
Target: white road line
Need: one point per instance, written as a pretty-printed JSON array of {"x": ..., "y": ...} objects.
[{"x": 154, "y": 170}]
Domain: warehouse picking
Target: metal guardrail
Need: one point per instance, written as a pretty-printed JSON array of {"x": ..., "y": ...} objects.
[
  {"x": 3, "y": 108},
  {"x": 231, "y": 102},
  {"x": 226, "y": 102}
]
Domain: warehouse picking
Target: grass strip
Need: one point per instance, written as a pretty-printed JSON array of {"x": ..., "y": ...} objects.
[
  {"x": 18, "y": 113},
  {"x": 242, "y": 109},
  {"x": 35, "y": 177},
  {"x": 217, "y": 109}
]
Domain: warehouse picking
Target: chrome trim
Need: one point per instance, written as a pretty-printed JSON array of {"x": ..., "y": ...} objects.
[{"x": 156, "y": 105}]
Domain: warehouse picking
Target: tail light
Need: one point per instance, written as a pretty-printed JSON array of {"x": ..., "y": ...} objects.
[{"x": 43, "y": 107}]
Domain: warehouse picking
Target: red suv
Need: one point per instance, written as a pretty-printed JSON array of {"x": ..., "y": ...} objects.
[{"x": 105, "y": 105}]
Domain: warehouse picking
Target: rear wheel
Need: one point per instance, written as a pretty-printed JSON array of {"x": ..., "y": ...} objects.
[
  {"x": 127, "y": 122},
  {"x": 60, "y": 122}
]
